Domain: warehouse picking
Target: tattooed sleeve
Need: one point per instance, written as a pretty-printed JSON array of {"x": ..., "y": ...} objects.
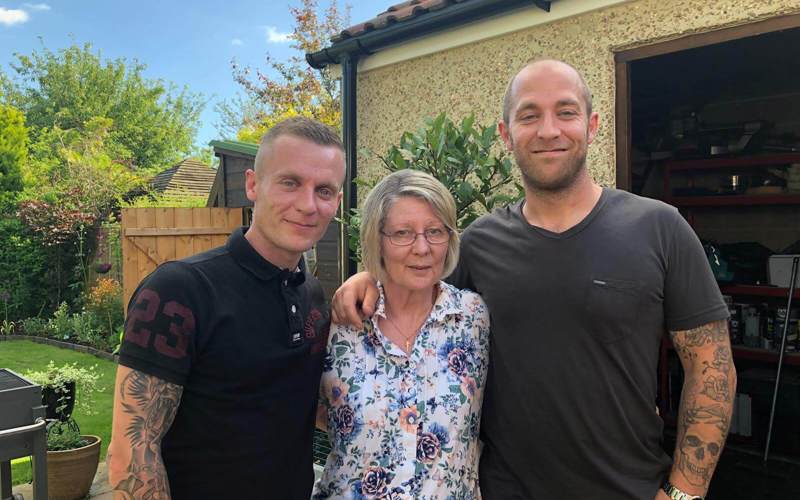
[
  {"x": 144, "y": 408},
  {"x": 706, "y": 402}
]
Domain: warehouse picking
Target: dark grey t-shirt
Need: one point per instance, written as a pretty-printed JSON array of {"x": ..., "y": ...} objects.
[{"x": 577, "y": 318}]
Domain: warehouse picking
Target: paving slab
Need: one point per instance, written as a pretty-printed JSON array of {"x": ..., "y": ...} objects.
[{"x": 100, "y": 489}]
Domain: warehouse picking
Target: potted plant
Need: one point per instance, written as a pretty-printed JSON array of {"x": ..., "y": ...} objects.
[{"x": 72, "y": 457}]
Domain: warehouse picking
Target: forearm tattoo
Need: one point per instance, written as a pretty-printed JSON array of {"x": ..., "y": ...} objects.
[
  {"x": 706, "y": 401},
  {"x": 152, "y": 404}
]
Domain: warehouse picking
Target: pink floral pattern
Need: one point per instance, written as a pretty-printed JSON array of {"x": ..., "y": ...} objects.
[{"x": 406, "y": 426}]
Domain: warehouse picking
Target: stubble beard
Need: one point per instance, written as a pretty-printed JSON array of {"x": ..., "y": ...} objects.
[{"x": 573, "y": 169}]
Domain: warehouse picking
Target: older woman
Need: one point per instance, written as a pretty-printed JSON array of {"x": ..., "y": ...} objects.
[{"x": 401, "y": 398}]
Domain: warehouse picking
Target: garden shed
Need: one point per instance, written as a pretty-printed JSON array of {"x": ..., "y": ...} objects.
[
  {"x": 698, "y": 105},
  {"x": 189, "y": 176}
]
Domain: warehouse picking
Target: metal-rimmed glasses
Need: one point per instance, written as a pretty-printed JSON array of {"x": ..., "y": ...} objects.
[{"x": 406, "y": 237}]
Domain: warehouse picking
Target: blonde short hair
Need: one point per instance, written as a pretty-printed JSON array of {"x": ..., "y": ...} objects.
[
  {"x": 302, "y": 128},
  {"x": 400, "y": 184}
]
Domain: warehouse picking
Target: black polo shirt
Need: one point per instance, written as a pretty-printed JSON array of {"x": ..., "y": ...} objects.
[{"x": 246, "y": 341}]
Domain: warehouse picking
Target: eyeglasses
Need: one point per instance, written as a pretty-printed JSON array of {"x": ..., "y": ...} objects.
[{"x": 404, "y": 237}]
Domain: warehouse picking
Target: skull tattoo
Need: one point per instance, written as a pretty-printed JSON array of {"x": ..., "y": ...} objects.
[{"x": 695, "y": 456}]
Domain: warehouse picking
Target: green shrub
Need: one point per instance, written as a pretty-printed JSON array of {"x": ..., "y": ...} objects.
[
  {"x": 13, "y": 148},
  {"x": 104, "y": 302},
  {"x": 24, "y": 272},
  {"x": 64, "y": 436},
  {"x": 7, "y": 327},
  {"x": 35, "y": 326},
  {"x": 98, "y": 325},
  {"x": 175, "y": 198},
  {"x": 462, "y": 156},
  {"x": 84, "y": 329},
  {"x": 60, "y": 326}
]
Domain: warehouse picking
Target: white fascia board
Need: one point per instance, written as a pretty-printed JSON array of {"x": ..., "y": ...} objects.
[{"x": 516, "y": 20}]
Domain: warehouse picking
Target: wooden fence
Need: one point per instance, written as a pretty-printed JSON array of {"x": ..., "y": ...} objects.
[{"x": 151, "y": 236}]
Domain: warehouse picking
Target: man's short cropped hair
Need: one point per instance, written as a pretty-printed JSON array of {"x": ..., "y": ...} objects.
[
  {"x": 400, "y": 184},
  {"x": 301, "y": 127},
  {"x": 508, "y": 101}
]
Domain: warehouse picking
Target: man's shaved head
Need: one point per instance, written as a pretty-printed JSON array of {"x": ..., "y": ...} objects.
[{"x": 508, "y": 98}]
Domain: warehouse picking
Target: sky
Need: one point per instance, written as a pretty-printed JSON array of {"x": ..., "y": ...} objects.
[{"x": 185, "y": 42}]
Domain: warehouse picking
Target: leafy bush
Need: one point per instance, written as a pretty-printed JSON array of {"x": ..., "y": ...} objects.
[
  {"x": 25, "y": 274},
  {"x": 63, "y": 436},
  {"x": 104, "y": 307},
  {"x": 175, "y": 198},
  {"x": 7, "y": 327},
  {"x": 13, "y": 149},
  {"x": 98, "y": 325},
  {"x": 35, "y": 326},
  {"x": 461, "y": 156},
  {"x": 83, "y": 328},
  {"x": 60, "y": 326}
]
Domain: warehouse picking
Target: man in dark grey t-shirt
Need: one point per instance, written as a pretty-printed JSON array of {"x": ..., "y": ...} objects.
[{"x": 581, "y": 282}]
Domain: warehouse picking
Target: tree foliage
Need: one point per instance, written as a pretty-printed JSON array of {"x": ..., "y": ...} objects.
[
  {"x": 75, "y": 171},
  {"x": 25, "y": 273},
  {"x": 97, "y": 128},
  {"x": 13, "y": 148},
  {"x": 297, "y": 89},
  {"x": 151, "y": 123}
]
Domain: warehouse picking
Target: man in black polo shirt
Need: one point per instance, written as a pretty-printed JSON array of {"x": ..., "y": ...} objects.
[{"x": 219, "y": 369}]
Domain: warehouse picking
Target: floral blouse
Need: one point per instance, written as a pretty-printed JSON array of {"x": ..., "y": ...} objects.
[{"x": 406, "y": 426}]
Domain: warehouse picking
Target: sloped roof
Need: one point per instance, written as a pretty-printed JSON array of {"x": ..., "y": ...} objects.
[
  {"x": 410, "y": 20},
  {"x": 396, "y": 13},
  {"x": 190, "y": 176},
  {"x": 245, "y": 148}
]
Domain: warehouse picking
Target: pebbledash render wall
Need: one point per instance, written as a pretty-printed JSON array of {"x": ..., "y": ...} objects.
[{"x": 472, "y": 78}]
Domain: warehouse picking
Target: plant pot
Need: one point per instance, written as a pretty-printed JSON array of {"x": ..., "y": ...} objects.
[
  {"x": 70, "y": 473},
  {"x": 50, "y": 399}
]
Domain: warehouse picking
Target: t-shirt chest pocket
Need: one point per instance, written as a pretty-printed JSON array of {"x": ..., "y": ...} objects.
[{"x": 613, "y": 307}]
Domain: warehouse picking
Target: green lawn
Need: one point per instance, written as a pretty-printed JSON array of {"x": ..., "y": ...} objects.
[{"x": 22, "y": 355}]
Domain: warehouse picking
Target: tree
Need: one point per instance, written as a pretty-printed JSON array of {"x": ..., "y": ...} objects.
[
  {"x": 152, "y": 123},
  {"x": 13, "y": 149},
  {"x": 297, "y": 89},
  {"x": 75, "y": 184}
]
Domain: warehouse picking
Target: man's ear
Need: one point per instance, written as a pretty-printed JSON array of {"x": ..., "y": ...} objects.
[
  {"x": 505, "y": 134},
  {"x": 594, "y": 123},
  {"x": 251, "y": 184}
]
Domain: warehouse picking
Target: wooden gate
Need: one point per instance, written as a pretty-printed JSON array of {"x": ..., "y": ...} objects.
[{"x": 151, "y": 236}]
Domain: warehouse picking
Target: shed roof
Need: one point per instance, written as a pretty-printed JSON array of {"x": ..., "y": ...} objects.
[
  {"x": 189, "y": 176},
  {"x": 245, "y": 148}
]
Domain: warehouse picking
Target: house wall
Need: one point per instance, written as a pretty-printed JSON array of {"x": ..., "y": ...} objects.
[{"x": 472, "y": 78}]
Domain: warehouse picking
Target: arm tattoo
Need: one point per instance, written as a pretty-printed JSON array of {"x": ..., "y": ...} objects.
[
  {"x": 152, "y": 404},
  {"x": 706, "y": 401}
]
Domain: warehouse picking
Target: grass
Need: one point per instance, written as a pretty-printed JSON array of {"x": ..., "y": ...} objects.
[{"x": 22, "y": 355}]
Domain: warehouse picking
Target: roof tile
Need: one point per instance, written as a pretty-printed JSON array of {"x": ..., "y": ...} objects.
[
  {"x": 400, "y": 12},
  {"x": 189, "y": 176}
]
